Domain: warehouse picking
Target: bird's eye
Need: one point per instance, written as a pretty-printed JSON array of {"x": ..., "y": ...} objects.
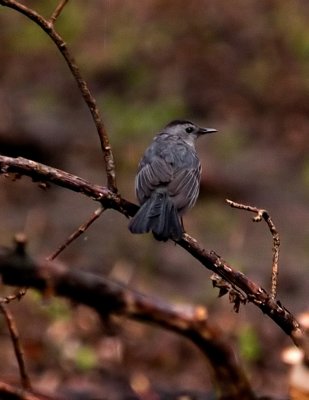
[{"x": 189, "y": 130}]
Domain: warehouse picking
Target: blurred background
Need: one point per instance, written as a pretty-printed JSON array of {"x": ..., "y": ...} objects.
[{"x": 241, "y": 67}]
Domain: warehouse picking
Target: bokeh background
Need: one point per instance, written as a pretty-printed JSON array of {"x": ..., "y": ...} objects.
[{"x": 239, "y": 66}]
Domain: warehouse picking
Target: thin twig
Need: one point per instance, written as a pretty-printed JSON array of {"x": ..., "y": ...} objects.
[
  {"x": 25, "y": 381},
  {"x": 263, "y": 214},
  {"x": 79, "y": 231},
  {"x": 58, "y": 11},
  {"x": 48, "y": 27}
]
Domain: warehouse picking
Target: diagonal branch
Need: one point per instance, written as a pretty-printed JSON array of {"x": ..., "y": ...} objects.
[
  {"x": 209, "y": 259},
  {"x": 77, "y": 233},
  {"x": 47, "y": 26}
]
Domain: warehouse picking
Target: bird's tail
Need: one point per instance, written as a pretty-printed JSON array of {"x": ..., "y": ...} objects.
[{"x": 159, "y": 215}]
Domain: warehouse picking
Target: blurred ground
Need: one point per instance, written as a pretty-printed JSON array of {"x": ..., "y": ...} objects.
[{"x": 241, "y": 67}]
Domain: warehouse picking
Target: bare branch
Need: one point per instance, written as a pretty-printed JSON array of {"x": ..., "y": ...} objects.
[
  {"x": 263, "y": 214},
  {"x": 254, "y": 293},
  {"x": 58, "y": 10},
  {"x": 107, "y": 297},
  {"x": 43, "y": 173},
  {"x": 25, "y": 381},
  {"x": 209, "y": 259},
  {"x": 48, "y": 27},
  {"x": 76, "y": 234}
]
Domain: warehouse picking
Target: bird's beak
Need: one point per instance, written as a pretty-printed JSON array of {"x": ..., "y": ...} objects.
[{"x": 203, "y": 131}]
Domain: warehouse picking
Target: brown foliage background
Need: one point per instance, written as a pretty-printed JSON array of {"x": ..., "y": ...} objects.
[{"x": 241, "y": 67}]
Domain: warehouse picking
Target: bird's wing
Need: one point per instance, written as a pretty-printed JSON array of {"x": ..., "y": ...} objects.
[
  {"x": 151, "y": 175},
  {"x": 173, "y": 165},
  {"x": 184, "y": 187}
]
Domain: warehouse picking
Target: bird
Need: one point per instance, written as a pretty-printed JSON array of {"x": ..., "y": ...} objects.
[{"x": 168, "y": 180}]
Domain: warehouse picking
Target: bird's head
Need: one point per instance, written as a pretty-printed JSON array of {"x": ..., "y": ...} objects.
[{"x": 187, "y": 130}]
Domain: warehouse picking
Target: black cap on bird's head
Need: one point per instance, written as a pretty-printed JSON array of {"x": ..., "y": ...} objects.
[{"x": 179, "y": 127}]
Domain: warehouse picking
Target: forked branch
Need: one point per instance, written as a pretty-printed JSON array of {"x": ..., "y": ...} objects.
[
  {"x": 250, "y": 290},
  {"x": 58, "y": 11}
]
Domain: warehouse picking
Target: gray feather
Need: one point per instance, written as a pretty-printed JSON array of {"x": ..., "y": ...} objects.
[
  {"x": 159, "y": 215},
  {"x": 174, "y": 166}
]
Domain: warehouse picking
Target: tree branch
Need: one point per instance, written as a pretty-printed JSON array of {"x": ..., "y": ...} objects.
[
  {"x": 251, "y": 291},
  {"x": 48, "y": 27},
  {"x": 46, "y": 174},
  {"x": 107, "y": 297}
]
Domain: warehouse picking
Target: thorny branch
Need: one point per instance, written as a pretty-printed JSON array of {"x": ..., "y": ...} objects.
[
  {"x": 107, "y": 297},
  {"x": 48, "y": 27},
  {"x": 251, "y": 291},
  {"x": 263, "y": 214}
]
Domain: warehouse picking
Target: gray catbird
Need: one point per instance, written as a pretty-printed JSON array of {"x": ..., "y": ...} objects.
[{"x": 168, "y": 180}]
